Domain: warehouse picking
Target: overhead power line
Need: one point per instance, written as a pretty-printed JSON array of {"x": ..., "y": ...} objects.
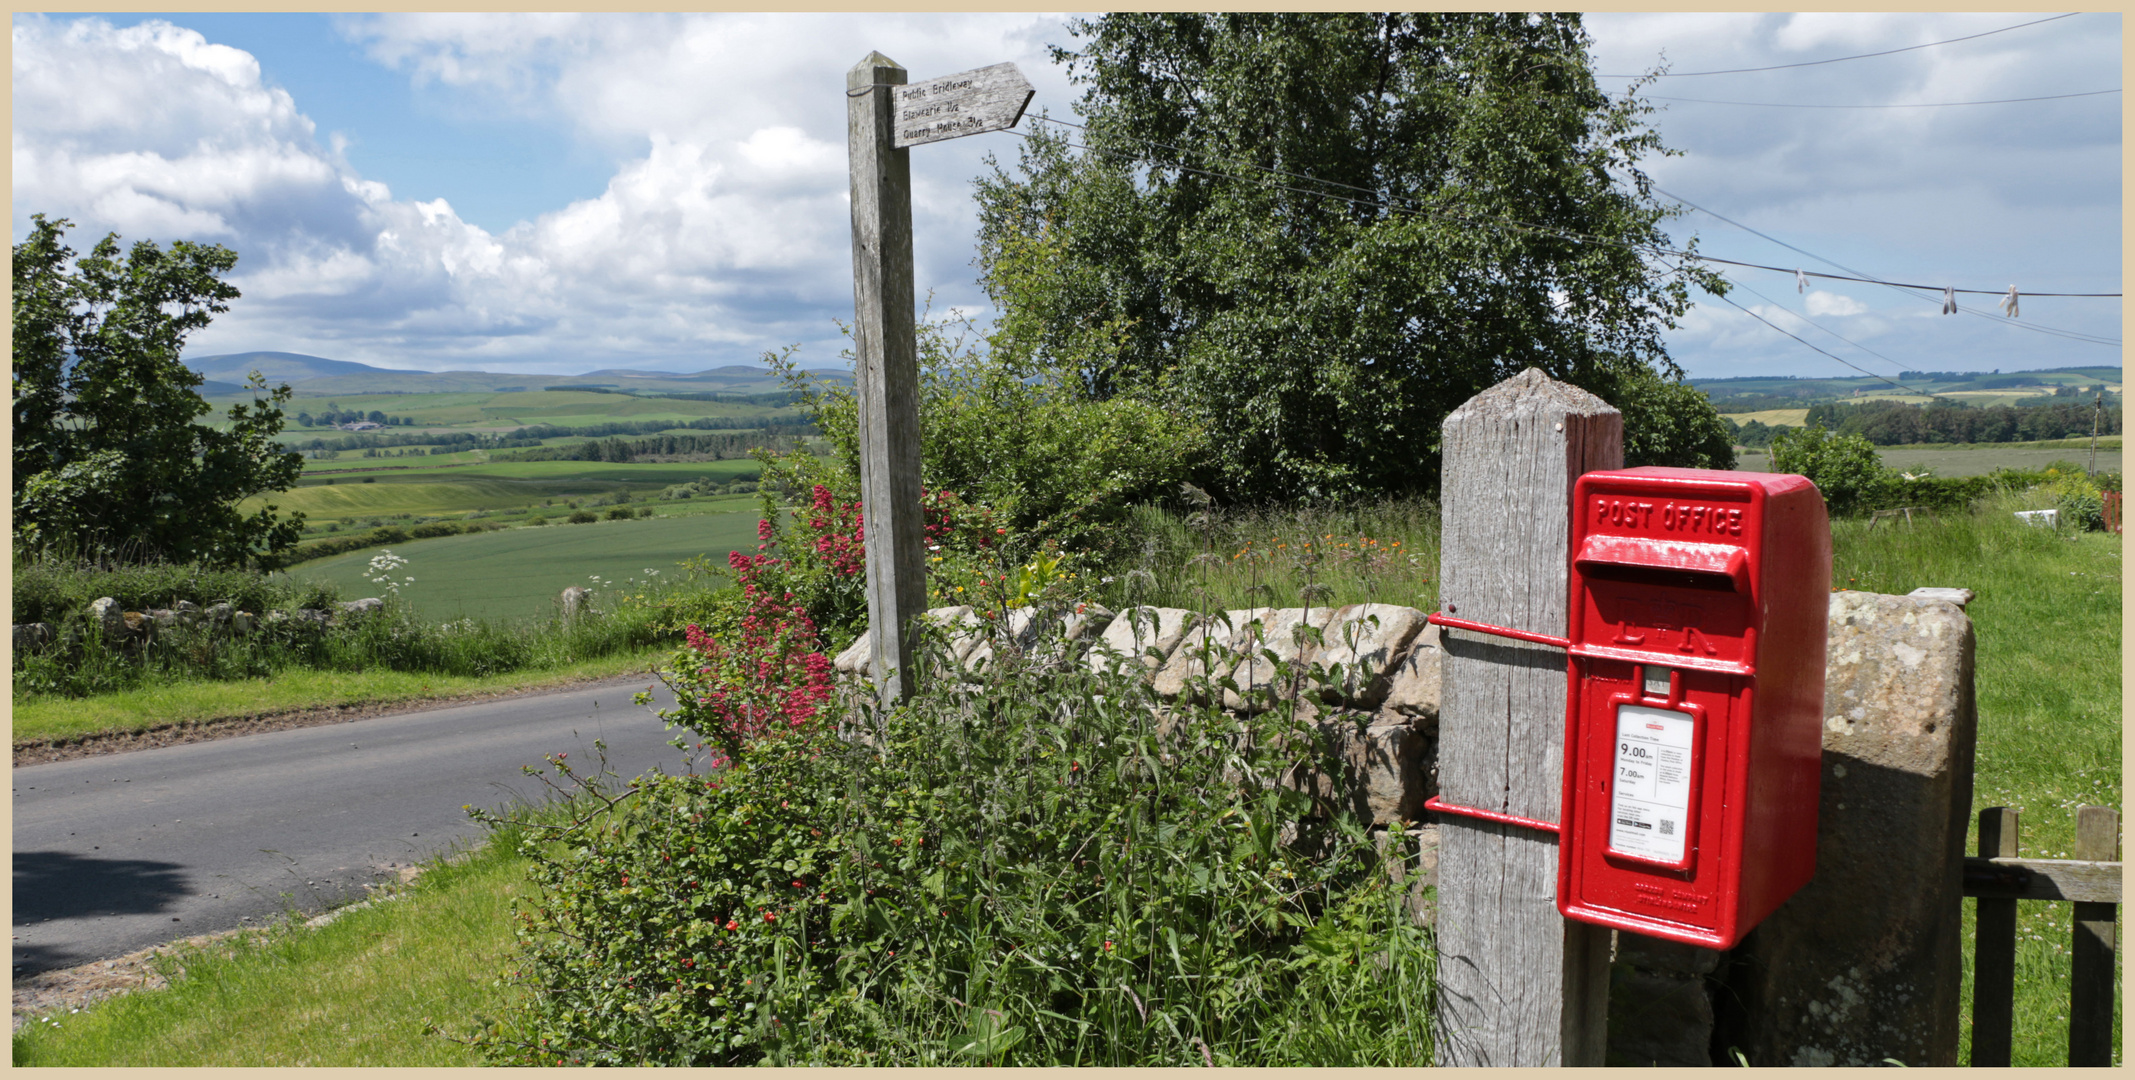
[
  {"x": 1893, "y": 105},
  {"x": 1899, "y": 286},
  {"x": 1775, "y": 304},
  {"x": 1812, "y": 345},
  {"x": 1372, "y": 200},
  {"x": 1857, "y": 276},
  {"x": 1840, "y": 59}
]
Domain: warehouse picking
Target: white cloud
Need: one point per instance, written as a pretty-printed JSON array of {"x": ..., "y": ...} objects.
[
  {"x": 722, "y": 228},
  {"x": 722, "y": 231},
  {"x": 1968, "y": 196},
  {"x": 1819, "y": 302}
]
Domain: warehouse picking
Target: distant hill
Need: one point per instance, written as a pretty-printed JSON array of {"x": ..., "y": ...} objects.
[
  {"x": 317, "y": 376},
  {"x": 278, "y": 367}
]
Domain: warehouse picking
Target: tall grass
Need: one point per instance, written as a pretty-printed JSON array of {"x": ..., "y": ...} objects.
[
  {"x": 2048, "y": 623},
  {"x": 1222, "y": 558}
]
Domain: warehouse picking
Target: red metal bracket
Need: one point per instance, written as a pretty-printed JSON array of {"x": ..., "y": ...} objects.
[
  {"x": 1443, "y": 807},
  {"x": 1499, "y": 631},
  {"x": 1440, "y": 805}
]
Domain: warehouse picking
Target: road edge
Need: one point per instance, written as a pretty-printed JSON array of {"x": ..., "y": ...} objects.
[{"x": 96, "y": 744}]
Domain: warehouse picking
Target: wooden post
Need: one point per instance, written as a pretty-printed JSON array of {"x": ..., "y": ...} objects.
[
  {"x": 1518, "y": 984},
  {"x": 2097, "y": 409},
  {"x": 886, "y": 366},
  {"x": 2092, "y": 979},
  {"x": 1994, "y": 949}
]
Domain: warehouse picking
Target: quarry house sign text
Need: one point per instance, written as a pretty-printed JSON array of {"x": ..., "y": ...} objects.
[{"x": 966, "y": 103}]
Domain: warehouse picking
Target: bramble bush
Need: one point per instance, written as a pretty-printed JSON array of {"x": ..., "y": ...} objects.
[
  {"x": 2078, "y": 496},
  {"x": 1033, "y": 868}
]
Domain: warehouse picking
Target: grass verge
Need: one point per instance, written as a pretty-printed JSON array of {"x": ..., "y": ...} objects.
[
  {"x": 365, "y": 989},
  {"x": 2048, "y": 624},
  {"x": 43, "y": 719}
]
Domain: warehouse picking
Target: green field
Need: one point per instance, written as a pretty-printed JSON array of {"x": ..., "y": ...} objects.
[
  {"x": 1772, "y": 417},
  {"x": 1979, "y": 460},
  {"x": 517, "y": 573},
  {"x": 1974, "y": 459},
  {"x": 437, "y": 490}
]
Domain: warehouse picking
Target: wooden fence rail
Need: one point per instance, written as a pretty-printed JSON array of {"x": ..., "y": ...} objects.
[{"x": 1998, "y": 878}]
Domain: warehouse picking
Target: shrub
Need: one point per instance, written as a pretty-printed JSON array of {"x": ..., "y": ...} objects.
[
  {"x": 820, "y": 557},
  {"x": 621, "y": 513},
  {"x": 742, "y": 679},
  {"x": 1845, "y": 468},
  {"x": 2077, "y": 496},
  {"x": 1009, "y": 431},
  {"x": 1036, "y": 870},
  {"x": 377, "y": 537},
  {"x": 1668, "y": 422},
  {"x": 581, "y": 517}
]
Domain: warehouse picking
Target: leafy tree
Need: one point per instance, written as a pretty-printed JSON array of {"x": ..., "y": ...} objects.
[
  {"x": 1005, "y": 430},
  {"x": 1844, "y": 467},
  {"x": 1669, "y": 422},
  {"x": 1316, "y": 234},
  {"x": 108, "y": 459}
]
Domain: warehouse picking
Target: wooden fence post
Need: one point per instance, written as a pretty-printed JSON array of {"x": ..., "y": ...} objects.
[
  {"x": 886, "y": 364},
  {"x": 2092, "y": 979},
  {"x": 1994, "y": 949},
  {"x": 1518, "y": 984}
]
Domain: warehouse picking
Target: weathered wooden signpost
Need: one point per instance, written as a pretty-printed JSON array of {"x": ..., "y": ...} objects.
[
  {"x": 1518, "y": 984},
  {"x": 884, "y": 115}
]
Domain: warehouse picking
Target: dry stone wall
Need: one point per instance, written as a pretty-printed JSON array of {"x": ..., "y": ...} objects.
[{"x": 1381, "y": 711}]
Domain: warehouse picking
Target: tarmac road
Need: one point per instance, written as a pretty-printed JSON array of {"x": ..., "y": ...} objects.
[{"x": 124, "y": 851}]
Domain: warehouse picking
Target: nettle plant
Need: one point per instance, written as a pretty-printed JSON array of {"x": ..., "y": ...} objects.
[{"x": 1040, "y": 865}]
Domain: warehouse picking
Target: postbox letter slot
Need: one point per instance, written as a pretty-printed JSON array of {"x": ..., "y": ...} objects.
[{"x": 1719, "y": 567}]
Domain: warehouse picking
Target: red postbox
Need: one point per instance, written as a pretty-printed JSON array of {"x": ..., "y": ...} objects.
[{"x": 1693, "y": 733}]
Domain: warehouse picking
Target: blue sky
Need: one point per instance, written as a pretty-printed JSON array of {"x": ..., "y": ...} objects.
[{"x": 558, "y": 193}]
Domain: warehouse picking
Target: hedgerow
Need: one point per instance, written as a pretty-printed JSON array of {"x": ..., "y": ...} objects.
[{"x": 1037, "y": 869}]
